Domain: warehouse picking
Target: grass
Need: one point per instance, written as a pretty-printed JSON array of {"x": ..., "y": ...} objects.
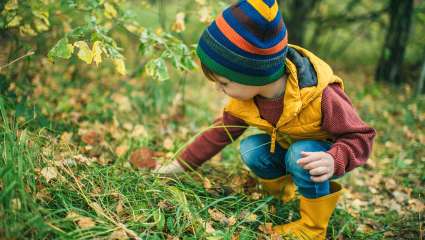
[{"x": 117, "y": 198}]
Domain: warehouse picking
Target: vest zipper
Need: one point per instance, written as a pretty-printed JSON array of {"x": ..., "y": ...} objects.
[{"x": 273, "y": 143}]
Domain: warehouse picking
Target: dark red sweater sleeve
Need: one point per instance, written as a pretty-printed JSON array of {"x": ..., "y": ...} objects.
[
  {"x": 353, "y": 138},
  {"x": 212, "y": 141}
]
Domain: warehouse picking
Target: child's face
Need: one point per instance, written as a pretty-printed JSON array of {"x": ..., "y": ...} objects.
[{"x": 234, "y": 89}]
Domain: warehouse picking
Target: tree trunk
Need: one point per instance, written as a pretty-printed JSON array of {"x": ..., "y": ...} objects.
[
  {"x": 391, "y": 60},
  {"x": 296, "y": 17},
  {"x": 420, "y": 89}
]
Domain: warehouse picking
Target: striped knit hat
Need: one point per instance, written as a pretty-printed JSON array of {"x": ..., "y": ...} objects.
[{"x": 247, "y": 43}]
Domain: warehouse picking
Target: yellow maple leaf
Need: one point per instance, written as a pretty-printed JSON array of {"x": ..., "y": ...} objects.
[
  {"x": 84, "y": 53},
  {"x": 120, "y": 66}
]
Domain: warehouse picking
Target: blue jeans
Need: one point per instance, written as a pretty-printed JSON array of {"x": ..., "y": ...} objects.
[{"x": 255, "y": 151}]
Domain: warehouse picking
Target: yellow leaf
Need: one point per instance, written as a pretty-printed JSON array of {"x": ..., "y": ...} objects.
[
  {"x": 27, "y": 30},
  {"x": 41, "y": 21},
  {"x": 15, "y": 204},
  {"x": 71, "y": 215},
  {"x": 120, "y": 66},
  {"x": 41, "y": 25},
  {"x": 84, "y": 53},
  {"x": 179, "y": 25},
  {"x": 97, "y": 52},
  {"x": 201, "y": 2},
  {"x": 110, "y": 11},
  {"x": 11, "y": 5},
  {"x": 15, "y": 21},
  {"x": 205, "y": 15}
]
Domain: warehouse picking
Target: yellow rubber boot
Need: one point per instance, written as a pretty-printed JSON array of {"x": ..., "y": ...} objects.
[
  {"x": 282, "y": 187},
  {"x": 315, "y": 215}
]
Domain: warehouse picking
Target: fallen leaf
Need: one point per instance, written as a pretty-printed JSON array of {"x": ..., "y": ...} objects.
[
  {"x": 207, "y": 183},
  {"x": 400, "y": 196},
  {"x": 231, "y": 221},
  {"x": 143, "y": 158},
  {"x": 92, "y": 138},
  {"x": 209, "y": 228},
  {"x": 247, "y": 216},
  {"x": 121, "y": 150},
  {"x": 119, "y": 234},
  {"x": 390, "y": 184},
  {"x": 66, "y": 138},
  {"x": 71, "y": 215},
  {"x": 123, "y": 102},
  {"x": 216, "y": 215},
  {"x": 416, "y": 205},
  {"x": 393, "y": 205},
  {"x": 86, "y": 222},
  {"x": 168, "y": 143},
  {"x": 266, "y": 228},
  {"x": 49, "y": 173},
  {"x": 139, "y": 131}
]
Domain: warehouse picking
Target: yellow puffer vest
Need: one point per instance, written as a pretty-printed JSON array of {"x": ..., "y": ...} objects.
[{"x": 301, "y": 117}]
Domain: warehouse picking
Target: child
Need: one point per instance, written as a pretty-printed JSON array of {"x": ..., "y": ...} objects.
[{"x": 313, "y": 133}]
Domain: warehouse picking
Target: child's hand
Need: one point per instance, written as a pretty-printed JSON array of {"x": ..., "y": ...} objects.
[
  {"x": 171, "y": 168},
  {"x": 321, "y": 165}
]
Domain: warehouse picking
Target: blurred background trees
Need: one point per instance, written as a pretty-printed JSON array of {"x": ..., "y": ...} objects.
[
  {"x": 384, "y": 37},
  {"x": 336, "y": 28}
]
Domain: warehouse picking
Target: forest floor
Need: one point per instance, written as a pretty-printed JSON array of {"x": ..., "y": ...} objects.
[{"x": 65, "y": 170}]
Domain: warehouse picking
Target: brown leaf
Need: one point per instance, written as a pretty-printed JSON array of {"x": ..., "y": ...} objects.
[
  {"x": 86, "y": 222},
  {"x": 209, "y": 228},
  {"x": 390, "y": 184},
  {"x": 216, "y": 215},
  {"x": 119, "y": 234},
  {"x": 92, "y": 138},
  {"x": 143, "y": 158},
  {"x": 207, "y": 183},
  {"x": 416, "y": 205},
  {"x": 231, "y": 221},
  {"x": 266, "y": 228},
  {"x": 400, "y": 196},
  {"x": 119, "y": 209},
  {"x": 163, "y": 204}
]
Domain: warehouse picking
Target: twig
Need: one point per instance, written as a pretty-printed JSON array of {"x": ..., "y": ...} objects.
[
  {"x": 99, "y": 210},
  {"x": 30, "y": 53}
]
